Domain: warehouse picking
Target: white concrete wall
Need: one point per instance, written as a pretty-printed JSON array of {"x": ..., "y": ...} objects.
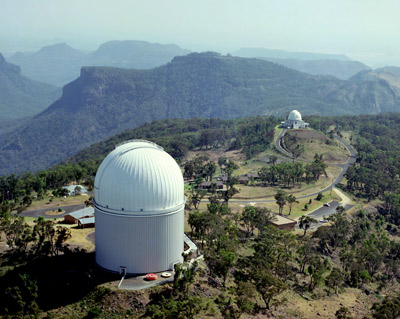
[{"x": 142, "y": 244}]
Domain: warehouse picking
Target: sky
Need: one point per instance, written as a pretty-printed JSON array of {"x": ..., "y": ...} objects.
[{"x": 364, "y": 30}]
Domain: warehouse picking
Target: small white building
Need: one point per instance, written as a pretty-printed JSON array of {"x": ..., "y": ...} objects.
[
  {"x": 75, "y": 190},
  {"x": 294, "y": 121},
  {"x": 139, "y": 207}
]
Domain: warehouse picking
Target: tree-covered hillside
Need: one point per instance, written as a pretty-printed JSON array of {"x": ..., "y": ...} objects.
[
  {"x": 105, "y": 101},
  {"x": 346, "y": 268},
  {"x": 377, "y": 141},
  {"x": 21, "y": 96},
  {"x": 252, "y": 135}
]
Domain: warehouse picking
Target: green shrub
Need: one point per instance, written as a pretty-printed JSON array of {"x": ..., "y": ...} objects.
[{"x": 94, "y": 312}]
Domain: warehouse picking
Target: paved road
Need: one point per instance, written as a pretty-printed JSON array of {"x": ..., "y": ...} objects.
[
  {"x": 338, "y": 180},
  {"x": 91, "y": 237},
  {"x": 323, "y": 212},
  {"x": 41, "y": 212},
  {"x": 344, "y": 167},
  {"x": 278, "y": 144}
]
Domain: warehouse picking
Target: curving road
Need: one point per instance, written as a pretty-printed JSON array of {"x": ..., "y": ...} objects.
[
  {"x": 41, "y": 212},
  {"x": 278, "y": 144},
  {"x": 344, "y": 167},
  {"x": 338, "y": 179}
]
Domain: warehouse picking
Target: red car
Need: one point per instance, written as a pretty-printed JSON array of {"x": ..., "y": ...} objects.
[{"x": 151, "y": 276}]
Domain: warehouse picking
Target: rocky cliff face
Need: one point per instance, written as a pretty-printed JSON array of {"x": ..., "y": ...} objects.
[{"x": 104, "y": 101}]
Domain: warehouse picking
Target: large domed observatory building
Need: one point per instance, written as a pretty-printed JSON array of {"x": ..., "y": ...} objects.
[
  {"x": 139, "y": 207},
  {"x": 294, "y": 121}
]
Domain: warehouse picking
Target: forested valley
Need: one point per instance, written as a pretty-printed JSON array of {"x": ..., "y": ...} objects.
[{"x": 250, "y": 268}]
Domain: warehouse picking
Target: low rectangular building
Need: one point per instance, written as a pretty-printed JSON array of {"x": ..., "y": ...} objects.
[
  {"x": 243, "y": 180},
  {"x": 210, "y": 185},
  {"x": 284, "y": 223},
  {"x": 86, "y": 222},
  {"x": 72, "y": 218},
  {"x": 254, "y": 176}
]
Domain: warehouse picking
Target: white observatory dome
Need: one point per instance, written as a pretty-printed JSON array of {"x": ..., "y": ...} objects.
[
  {"x": 139, "y": 210},
  {"x": 294, "y": 116},
  {"x": 139, "y": 177}
]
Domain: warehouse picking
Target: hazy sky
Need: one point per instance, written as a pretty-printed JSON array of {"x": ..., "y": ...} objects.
[{"x": 366, "y": 30}]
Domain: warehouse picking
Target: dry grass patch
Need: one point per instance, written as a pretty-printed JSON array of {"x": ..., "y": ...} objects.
[
  {"x": 277, "y": 131},
  {"x": 354, "y": 299},
  {"x": 54, "y": 212},
  {"x": 297, "y": 208},
  {"x": 316, "y": 143},
  {"x": 267, "y": 192},
  {"x": 79, "y": 237},
  {"x": 57, "y": 201},
  {"x": 215, "y": 154},
  {"x": 248, "y": 167},
  {"x": 346, "y": 135}
]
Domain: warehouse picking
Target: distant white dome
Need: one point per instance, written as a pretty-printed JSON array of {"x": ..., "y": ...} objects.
[
  {"x": 139, "y": 178},
  {"x": 294, "y": 116}
]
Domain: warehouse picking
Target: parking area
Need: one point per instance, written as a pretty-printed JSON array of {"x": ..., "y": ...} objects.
[
  {"x": 321, "y": 213},
  {"x": 140, "y": 282}
]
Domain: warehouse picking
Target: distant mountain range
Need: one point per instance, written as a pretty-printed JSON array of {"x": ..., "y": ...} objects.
[
  {"x": 21, "y": 96},
  {"x": 281, "y": 54},
  {"x": 60, "y": 64},
  {"x": 338, "y": 68},
  {"x": 104, "y": 101},
  {"x": 337, "y": 65}
]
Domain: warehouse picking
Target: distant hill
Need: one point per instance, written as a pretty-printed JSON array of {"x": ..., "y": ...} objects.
[
  {"x": 377, "y": 91},
  {"x": 178, "y": 136},
  {"x": 59, "y": 64},
  {"x": 389, "y": 74},
  {"x": 281, "y": 54},
  {"x": 21, "y": 96},
  {"x": 133, "y": 54},
  {"x": 104, "y": 101},
  {"x": 338, "y": 68}
]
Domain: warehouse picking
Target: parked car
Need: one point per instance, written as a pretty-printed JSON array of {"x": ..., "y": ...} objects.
[{"x": 327, "y": 205}]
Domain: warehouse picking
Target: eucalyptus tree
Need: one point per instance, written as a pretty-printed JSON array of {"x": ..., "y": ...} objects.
[
  {"x": 305, "y": 222},
  {"x": 281, "y": 199},
  {"x": 291, "y": 199}
]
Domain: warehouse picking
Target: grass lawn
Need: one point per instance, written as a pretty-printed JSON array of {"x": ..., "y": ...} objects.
[
  {"x": 30, "y": 220},
  {"x": 346, "y": 136},
  {"x": 316, "y": 143},
  {"x": 297, "y": 209},
  {"x": 57, "y": 201},
  {"x": 333, "y": 153},
  {"x": 79, "y": 237},
  {"x": 252, "y": 165},
  {"x": 277, "y": 131},
  {"x": 262, "y": 192}
]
